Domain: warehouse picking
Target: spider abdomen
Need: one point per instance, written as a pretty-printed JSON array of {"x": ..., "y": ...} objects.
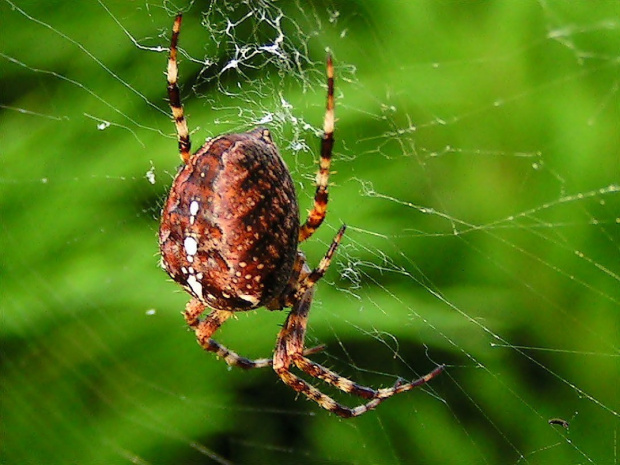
[{"x": 230, "y": 225}]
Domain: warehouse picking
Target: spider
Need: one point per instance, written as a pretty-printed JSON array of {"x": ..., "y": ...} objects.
[{"x": 229, "y": 234}]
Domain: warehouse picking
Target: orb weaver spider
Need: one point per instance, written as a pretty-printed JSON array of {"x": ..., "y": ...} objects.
[{"x": 229, "y": 236}]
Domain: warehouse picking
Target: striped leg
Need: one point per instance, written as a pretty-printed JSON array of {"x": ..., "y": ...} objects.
[
  {"x": 316, "y": 274},
  {"x": 174, "y": 95},
  {"x": 348, "y": 386},
  {"x": 289, "y": 350},
  {"x": 317, "y": 214},
  {"x": 206, "y": 328}
]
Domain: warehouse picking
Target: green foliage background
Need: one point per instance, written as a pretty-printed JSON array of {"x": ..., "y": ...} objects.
[{"x": 510, "y": 277}]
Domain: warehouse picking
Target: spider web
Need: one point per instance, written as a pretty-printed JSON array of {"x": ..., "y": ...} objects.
[{"x": 476, "y": 166}]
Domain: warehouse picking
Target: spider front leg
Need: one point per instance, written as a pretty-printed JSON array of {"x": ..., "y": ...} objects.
[
  {"x": 206, "y": 328},
  {"x": 289, "y": 350}
]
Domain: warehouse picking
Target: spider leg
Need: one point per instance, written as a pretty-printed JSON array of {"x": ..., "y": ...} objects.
[
  {"x": 344, "y": 384},
  {"x": 175, "y": 96},
  {"x": 317, "y": 214},
  {"x": 316, "y": 274},
  {"x": 289, "y": 350},
  {"x": 206, "y": 328}
]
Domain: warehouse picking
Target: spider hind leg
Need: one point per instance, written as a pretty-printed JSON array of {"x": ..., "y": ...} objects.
[
  {"x": 319, "y": 210},
  {"x": 174, "y": 95}
]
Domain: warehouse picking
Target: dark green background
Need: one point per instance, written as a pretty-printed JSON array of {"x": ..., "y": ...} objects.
[{"x": 476, "y": 159}]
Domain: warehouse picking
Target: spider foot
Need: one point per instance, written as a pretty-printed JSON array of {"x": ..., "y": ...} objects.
[{"x": 401, "y": 386}]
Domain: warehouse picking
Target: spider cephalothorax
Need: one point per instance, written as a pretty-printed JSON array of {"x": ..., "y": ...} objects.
[{"x": 229, "y": 235}]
